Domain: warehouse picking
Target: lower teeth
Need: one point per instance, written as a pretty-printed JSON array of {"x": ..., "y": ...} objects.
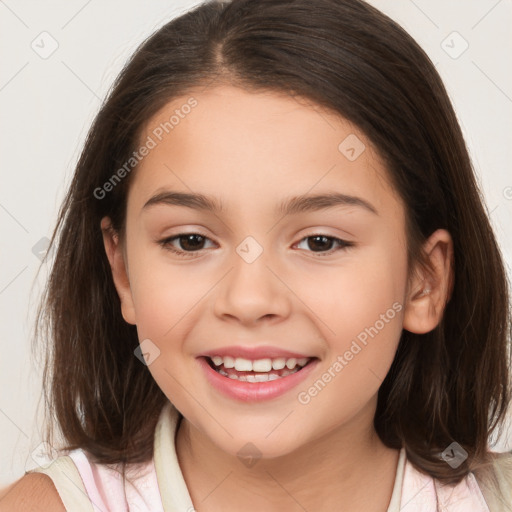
[{"x": 258, "y": 377}]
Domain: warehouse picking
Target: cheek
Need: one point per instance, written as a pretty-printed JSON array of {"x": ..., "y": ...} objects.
[
  {"x": 371, "y": 311},
  {"x": 165, "y": 296},
  {"x": 361, "y": 308},
  {"x": 357, "y": 356},
  {"x": 164, "y": 292},
  {"x": 353, "y": 295}
]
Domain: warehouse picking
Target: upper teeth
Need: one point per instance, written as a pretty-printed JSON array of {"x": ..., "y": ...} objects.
[{"x": 260, "y": 365}]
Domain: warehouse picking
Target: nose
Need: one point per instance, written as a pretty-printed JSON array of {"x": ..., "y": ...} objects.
[{"x": 253, "y": 291}]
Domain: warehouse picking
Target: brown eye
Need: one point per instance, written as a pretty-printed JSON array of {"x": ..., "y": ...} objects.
[
  {"x": 191, "y": 242},
  {"x": 319, "y": 243},
  {"x": 324, "y": 244},
  {"x": 184, "y": 243}
]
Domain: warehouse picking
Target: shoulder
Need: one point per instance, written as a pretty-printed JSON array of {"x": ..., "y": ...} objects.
[
  {"x": 503, "y": 459},
  {"x": 495, "y": 480},
  {"x": 503, "y": 468},
  {"x": 34, "y": 492}
]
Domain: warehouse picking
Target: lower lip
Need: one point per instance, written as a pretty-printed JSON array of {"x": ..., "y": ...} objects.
[{"x": 254, "y": 391}]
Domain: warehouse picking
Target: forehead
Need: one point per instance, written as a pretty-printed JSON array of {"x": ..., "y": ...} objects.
[{"x": 249, "y": 148}]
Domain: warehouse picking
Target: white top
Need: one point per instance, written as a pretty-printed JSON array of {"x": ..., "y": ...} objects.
[{"x": 158, "y": 485}]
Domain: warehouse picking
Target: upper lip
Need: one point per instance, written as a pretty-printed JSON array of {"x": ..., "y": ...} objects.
[{"x": 253, "y": 353}]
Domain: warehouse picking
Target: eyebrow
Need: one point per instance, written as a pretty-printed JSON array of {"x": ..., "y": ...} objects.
[{"x": 290, "y": 206}]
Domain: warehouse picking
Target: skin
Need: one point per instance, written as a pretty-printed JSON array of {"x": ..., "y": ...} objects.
[{"x": 252, "y": 151}]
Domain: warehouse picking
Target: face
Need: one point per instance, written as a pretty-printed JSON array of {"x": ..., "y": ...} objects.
[{"x": 324, "y": 281}]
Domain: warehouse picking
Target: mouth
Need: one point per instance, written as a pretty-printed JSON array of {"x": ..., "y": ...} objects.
[
  {"x": 259, "y": 378},
  {"x": 259, "y": 370}
]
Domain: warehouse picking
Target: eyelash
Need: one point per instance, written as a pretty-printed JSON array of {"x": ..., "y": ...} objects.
[{"x": 165, "y": 243}]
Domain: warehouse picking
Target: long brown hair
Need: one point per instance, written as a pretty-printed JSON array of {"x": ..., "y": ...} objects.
[{"x": 451, "y": 384}]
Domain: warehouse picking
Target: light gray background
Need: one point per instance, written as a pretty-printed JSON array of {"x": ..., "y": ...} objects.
[{"x": 47, "y": 105}]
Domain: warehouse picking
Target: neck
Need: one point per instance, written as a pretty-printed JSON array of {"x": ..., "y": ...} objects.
[{"x": 332, "y": 472}]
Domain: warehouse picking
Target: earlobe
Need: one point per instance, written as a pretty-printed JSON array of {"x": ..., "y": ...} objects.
[
  {"x": 116, "y": 258},
  {"x": 429, "y": 292}
]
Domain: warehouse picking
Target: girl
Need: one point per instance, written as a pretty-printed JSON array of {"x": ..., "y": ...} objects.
[{"x": 275, "y": 282}]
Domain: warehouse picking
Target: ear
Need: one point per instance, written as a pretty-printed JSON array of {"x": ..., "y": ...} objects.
[
  {"x": 117, "y": 260},
  {"x": 428, "y": 293}
]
